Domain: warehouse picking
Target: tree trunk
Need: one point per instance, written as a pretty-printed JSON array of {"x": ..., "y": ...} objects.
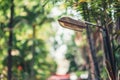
[
  {"x": 10, "y": 41},
  {"x": 33, "y": 54}
]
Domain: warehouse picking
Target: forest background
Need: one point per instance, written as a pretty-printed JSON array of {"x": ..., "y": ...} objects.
[{"x": 30, "y": 35}]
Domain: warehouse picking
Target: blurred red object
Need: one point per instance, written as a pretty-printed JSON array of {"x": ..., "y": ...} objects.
[
  {"x": 20, "y": 68},
  {"x": 59, "y": 77}
]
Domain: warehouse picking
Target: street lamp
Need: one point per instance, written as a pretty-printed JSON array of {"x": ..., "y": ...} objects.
[
  {"x": 70, "y": 23},
  {"x": 73, "y": 24},
  {"x": 76, "y": 25}
]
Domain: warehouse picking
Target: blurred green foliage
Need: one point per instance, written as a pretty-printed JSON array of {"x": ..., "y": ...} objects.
[{"x": 29, "y": 50}]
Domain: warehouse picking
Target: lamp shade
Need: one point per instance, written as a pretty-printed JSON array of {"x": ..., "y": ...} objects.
[{"x": 70, "y": 23}]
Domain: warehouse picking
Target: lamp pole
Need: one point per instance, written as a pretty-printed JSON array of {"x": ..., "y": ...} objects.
[
  {"x": 108, "y": 52},
  {"x": 93, "y": 54},
  {"x": 76, "y": 25}
]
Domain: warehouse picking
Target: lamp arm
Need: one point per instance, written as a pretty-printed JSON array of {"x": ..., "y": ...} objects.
[{"x": 89, "y": 23}]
